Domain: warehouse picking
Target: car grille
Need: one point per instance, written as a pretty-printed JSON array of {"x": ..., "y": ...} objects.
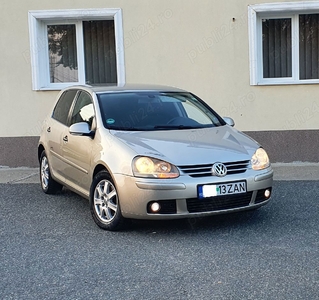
[
  {"x": 237, "y": 167},
  {"x": 195, "y": 205}
]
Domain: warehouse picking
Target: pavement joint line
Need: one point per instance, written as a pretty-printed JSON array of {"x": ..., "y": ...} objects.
[
  {"x": 22, "y": 178},
  {"x": 296, "y": 164}
]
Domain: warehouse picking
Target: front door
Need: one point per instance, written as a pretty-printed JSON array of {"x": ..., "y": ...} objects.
[{"x": 77, "y": 150}]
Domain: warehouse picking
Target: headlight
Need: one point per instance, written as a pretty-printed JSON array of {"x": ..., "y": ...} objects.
[
  {"x": 260, "y": 160},
  {"x": 144, "y": 166}
]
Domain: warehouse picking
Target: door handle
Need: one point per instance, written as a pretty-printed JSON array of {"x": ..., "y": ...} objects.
[
  {"x": 49, "y": 129},
  {"x": 66, "y": 138}
]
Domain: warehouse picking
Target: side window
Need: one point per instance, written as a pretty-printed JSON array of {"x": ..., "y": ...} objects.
[
  {"x": 62, "y": 108},
  {"x": 83, "y": 110}
]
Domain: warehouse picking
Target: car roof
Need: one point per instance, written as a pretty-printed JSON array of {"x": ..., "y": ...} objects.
[{"x": 129, "y": 88}]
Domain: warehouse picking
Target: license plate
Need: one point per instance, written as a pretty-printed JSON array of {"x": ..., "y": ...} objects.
[{"x": 213, "y": 190}]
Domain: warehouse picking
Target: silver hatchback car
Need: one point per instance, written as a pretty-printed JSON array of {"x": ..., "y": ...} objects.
[{"x": 149, "y": 152}]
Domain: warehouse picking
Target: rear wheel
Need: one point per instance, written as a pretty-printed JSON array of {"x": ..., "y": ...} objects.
[
  {"x": 104, "y": 203},
  {"x": 48, "y": 184}
]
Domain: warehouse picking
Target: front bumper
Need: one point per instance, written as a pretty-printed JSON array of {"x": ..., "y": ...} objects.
[{"x": 178, "y": 197}]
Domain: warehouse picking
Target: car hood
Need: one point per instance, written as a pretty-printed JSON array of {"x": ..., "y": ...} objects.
[{"x": 192, "y": 146}]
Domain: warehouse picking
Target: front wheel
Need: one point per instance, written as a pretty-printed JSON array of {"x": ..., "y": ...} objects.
[
  {"x": 104, "y": 203},
  {"x": 48, "y": 184}
]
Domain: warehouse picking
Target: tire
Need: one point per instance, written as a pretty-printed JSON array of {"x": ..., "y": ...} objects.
[
  {"x": 48, "y": 184},
  {"x": 104, "y": 203}
]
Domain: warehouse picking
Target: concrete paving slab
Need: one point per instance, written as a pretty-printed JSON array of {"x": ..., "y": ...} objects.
[
  {"x": 19, "y": 175},
  {"x": 296, "y": 171}
]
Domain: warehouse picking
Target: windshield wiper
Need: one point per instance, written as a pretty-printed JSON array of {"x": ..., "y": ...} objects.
[
  {"x": 174, "y": 127},
  {"x": 111, "y": 127},
  {"x": 183, "y": 126}
]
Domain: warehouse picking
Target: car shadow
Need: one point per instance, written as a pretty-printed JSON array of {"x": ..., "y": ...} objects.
[{"x": 229, "y": 221}]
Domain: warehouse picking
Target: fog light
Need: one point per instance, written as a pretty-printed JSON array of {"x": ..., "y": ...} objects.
[
  {"x": 267, "y": 193},
  {"x": 155, "y": 207}
]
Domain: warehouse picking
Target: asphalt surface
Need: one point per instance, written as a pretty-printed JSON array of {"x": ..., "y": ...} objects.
[{"x": 51, "y": 249}]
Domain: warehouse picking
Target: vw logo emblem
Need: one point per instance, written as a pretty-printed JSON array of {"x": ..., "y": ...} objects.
[{"x": 219, "y": 169}]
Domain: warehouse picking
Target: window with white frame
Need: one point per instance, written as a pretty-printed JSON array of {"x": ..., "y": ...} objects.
[
  {"x": 284, "y": 43},
  {"x": 76, "y": 47}
]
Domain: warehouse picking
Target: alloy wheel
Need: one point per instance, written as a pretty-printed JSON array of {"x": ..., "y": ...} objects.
[{"x": 105, "y": 201}]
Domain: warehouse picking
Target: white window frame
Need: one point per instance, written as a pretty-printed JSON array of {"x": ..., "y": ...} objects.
[
  {"x": 276, "y": 10},
  {"x": 39, "y": 19}
]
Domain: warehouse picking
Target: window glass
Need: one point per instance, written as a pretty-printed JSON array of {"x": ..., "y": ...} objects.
[
  {"x": 308, "y": 46},
  {"x": 196, "y": 114},
  {"x": 62, "y": 53},
  {"x": 277, "y": 49},
  {"x": 155, "y": 111},
  {"x": 62, "y": 108},
  {"x": 99, "y": 50},
  {"x": 83, "y": 110}
]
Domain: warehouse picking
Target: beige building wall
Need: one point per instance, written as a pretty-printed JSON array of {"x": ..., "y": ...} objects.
[{"x": 201, "y": 46}]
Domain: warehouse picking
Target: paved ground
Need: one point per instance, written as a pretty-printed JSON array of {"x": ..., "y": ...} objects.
[
  {"x": 293, "y": 171},
  {"x": 50, "y": 248}
]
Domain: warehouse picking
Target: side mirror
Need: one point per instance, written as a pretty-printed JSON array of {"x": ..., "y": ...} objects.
[
  {"x": 229, "y": 121},
  {"x": 82, "y": 129}
]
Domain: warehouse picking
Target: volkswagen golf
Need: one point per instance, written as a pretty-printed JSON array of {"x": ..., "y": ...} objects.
[{"x": 149, "y": 152}]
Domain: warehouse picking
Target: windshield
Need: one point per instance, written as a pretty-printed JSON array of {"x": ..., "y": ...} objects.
[{"x": 156, "y": 111}]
